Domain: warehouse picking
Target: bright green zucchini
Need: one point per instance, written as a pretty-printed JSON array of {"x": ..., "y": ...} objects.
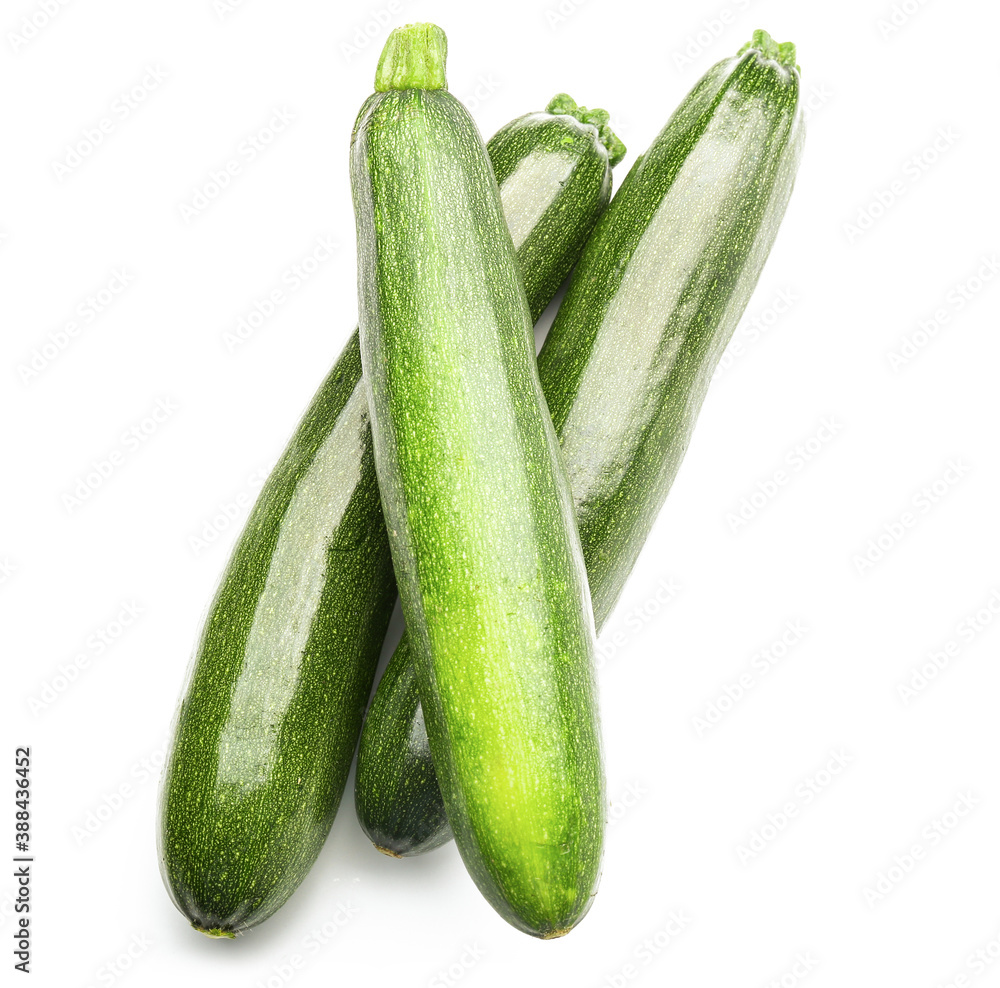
[
  {"x": 652, "y": 303},
  {"x": 554, "y": 174},
  {"x": 272, "y": 713},
  {"x": 479, "y": 513}
]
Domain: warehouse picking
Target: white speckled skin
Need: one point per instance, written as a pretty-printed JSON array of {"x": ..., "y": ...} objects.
[{"x": 658, "y": 291}]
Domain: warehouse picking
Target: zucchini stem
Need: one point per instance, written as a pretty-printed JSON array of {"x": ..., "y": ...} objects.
[
  {"x": 599, "y": 119},
  {"x": 413, "y": 58},
  {"x": 783, "y": 53},
  {"x": 215, "y": 932}
]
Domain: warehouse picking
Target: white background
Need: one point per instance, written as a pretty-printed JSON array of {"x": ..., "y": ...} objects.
[{"x": 684, "y": 798}]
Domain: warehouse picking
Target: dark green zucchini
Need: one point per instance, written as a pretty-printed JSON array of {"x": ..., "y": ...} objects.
[
  {"x": 652, "y": 303},
  {"x": 272, "y": 709},
  {"x": 554, "y": 174},
  {"x": 476, "y": 502}
]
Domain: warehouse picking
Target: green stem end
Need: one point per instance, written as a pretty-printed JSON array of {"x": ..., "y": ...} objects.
[
  {"x": 599, "y": 119},
  {"x": 783, "y": 53},
  {"x": 413, "y": 58},
  {"x": 215, "y": 932}
]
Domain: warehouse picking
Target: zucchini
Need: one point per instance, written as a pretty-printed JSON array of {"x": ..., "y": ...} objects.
[
  {"x": 553, "y": 170},
  {"x": 651, "y": 305},
  {"x": 233, "y": 849},
  {"x": 478, "y": 509},
  {"x": 659, "y": 289},
  {"x": 272, "y": 709}
]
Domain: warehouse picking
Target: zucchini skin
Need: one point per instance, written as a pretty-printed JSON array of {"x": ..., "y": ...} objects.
[
  {"x": 396, "y": 792},
  {"x": 272, "y": 709},
  {"x": 554, "y": 177},
  {"x": 479, "y": 514},
  {"x": 232, "y": 853},
  {"x": 656, "y": 296},
  {"x": 651, "y": 305}
]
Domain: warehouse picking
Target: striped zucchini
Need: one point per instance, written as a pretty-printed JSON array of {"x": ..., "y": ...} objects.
[
  {"x": 271, "y": 714},
  {"x": 651, "y": 305},
  {"x": 554, "y": 174},
  {"x": 477, "y": 506}
]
